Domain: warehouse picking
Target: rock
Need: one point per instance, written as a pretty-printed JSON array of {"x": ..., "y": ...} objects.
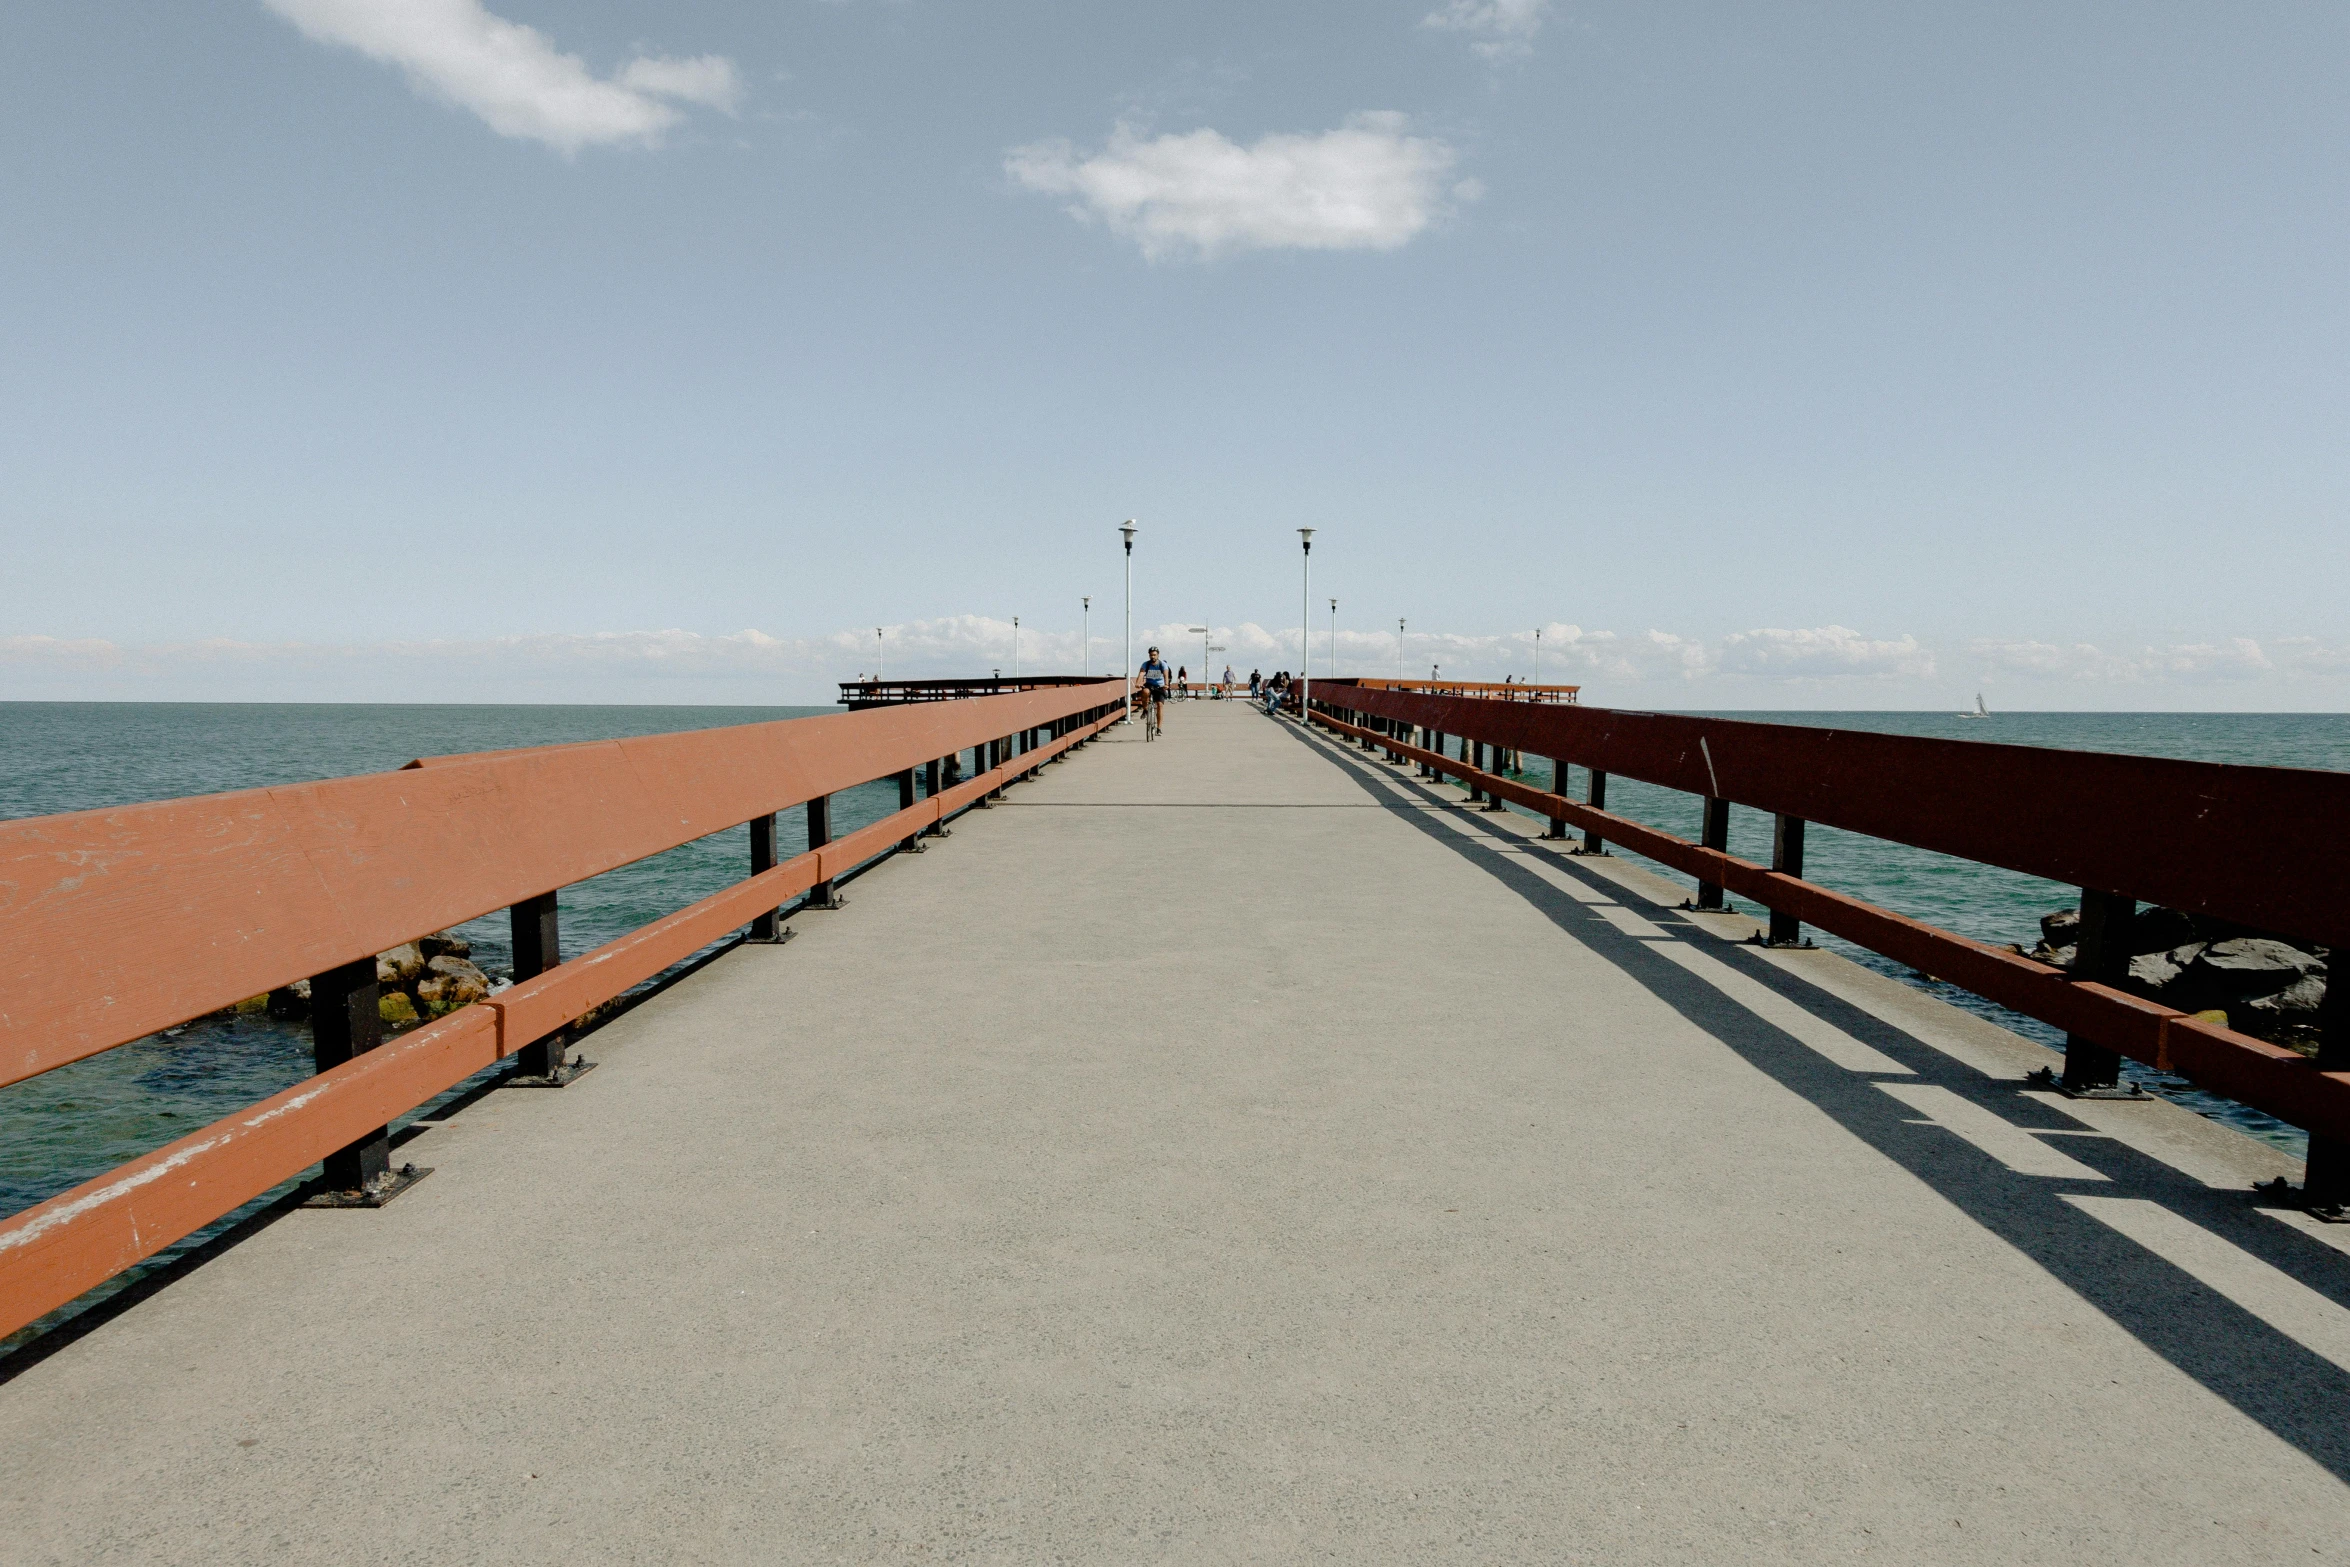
[
  {"x": 440, "y": 944},
  {"x": 403, "y": 965},
  {"x": 258, "y": 1003},
  {"x": 2060, "y": 929},
  {"x": 2156, "y": 971},
  {"x": 2060, "y": 957},
  {"x": 2161, "y": 930},
  {"x": 395, "y": 1008},
  {"x": 2246, "y": 966},
  {"x": 2296, "y": 1003},
  {"x": 451, "y": 983},
  {"x": 290, "y": 1003}
]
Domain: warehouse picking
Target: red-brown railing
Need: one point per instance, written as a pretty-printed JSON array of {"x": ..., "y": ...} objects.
[
  {"x": 2265, "y": 847},
  {"x": 117, "y": 923}
]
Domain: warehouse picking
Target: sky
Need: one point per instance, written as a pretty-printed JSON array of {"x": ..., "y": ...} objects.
[{"x": 1759, "y": 355}]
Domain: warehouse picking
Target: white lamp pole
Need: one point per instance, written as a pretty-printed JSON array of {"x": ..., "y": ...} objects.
[
  {"x": 1538, "y": 655},
  {"x": 1127, "y": 528},
  {"x": 1204, "y": 634},
  {"x": 1015, "y": 650},
  {"x": 1305, "y": 616},
  {"x": 1399, "y": 647},
  {"x": 1085, "y": 666},
  {"x": 1334, "y": 639},
  {"x": 880, "y": 655}
]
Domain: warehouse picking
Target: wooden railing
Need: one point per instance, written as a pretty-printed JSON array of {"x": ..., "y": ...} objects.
[
  {"x": 2264, "y": 847},
  {"x": 117, "y": 923}
]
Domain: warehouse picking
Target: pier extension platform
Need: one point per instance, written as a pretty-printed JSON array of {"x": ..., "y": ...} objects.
[{"x": 1232, "y": 1149}]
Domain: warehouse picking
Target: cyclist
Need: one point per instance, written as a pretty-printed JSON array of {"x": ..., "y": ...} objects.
[{"x": 1154, "y": 685}]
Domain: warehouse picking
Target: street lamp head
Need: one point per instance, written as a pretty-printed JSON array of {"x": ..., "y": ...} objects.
[
  {"x": 1307, "y": 536},
  {"x": 1127, "y": 528}
]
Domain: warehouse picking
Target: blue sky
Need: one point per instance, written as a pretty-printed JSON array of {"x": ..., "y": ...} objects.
[{"x": 1763, "y": 355}]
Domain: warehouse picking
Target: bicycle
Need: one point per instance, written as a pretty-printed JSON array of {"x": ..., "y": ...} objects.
[{"x": 1150, "y": 715}]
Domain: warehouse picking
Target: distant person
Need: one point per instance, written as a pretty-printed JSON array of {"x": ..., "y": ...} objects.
[
  {"x": 1182, "y": 681},
  {"x": 1256, "y": 683},
  {"x": 1227, "y": 680}
]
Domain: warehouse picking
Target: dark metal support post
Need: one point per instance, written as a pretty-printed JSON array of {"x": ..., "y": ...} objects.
[
  {"x": 1787, "y": 860},
  {"x": 1473, "y": 757},
  {"x": 767, "y": 927},
  {"x": 1713, "y": 834},
  {"x": 1558, "y": 786},
  {"x": 935, "y": 778},
  {"x": 346, "y": 1021},
  {"x": 2101, "y": 953},
  {"x": 906, "y": 793},
  {"x": 823, "y": 895},
  {"x": 1595, "y": 796},
  {"x": 537, "y": 925},
  {"x": 2325, "y": 1186}
]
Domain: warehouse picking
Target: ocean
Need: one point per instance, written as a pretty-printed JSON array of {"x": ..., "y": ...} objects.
[{"x": 66, "y": 1126}]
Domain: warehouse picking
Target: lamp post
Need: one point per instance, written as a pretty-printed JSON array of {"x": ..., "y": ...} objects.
[
  {"x": 1085, "y": 664},
  {"x": 1538, "y": 655},
  {"x": 880, "y": 657},
  {"x": 1334, "y": 639},
  {"x": 1305, "y": 614},
  {"x": 1015, "y": 650},
  {"x": 1203, "y": 650},
  {"x": 1127, "y": 528},
  {"x": 1399, "y": 647}
]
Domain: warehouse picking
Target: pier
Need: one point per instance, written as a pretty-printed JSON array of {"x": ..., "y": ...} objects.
[{"x": 1256, "y": 1144}]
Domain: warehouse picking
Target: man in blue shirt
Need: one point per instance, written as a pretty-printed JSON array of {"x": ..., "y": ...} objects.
[{"x": 1154, "y": 685}]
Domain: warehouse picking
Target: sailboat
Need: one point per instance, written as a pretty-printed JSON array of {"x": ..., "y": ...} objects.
[{"x": 1980, "y": 710}]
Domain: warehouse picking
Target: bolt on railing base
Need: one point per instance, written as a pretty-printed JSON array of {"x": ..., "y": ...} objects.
[
  {"x": 374, "y": 1194},
  {"x": 2047, "y": 1077},
  {"x": 561, "y": 1077},
  {"x": 828, "y": 902},
  {"x": 1799, "y": 944},
  {"x": 940, "y": 831},
  {"x": 778, "y": 939},
  {"x": 2292, "y": 1196}
]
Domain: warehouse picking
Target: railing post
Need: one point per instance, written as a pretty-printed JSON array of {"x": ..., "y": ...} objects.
[
  {"x": 537, "y": 924},
  {"x": 346, "y": 1021},
  {"x": 823, "y": 895},
  {"x": 1473, "y": 756},
  {"x": 2101, "y": 952},
  {"x": 1595, "y": 796},
  {"x": 1787, "y": 860},
  {"x": 906, "y": 793},
  {"x": 766, "y": 928},
  {"x": 2325, "y": 1183},
  {"x": 1558, "y": 786},
  {"x": 933, "y": 780},
  {"x": 1714, "y": 833},
  {"x": 1493, "y": 755}
]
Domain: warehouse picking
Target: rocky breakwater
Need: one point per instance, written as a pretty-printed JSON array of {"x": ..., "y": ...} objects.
[
  {"x": 418, "y": 980},
  {"x": 2252, "y": 982}
]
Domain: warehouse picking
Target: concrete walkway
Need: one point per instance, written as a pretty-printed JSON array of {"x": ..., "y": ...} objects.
[{"x": 1229, "y": 1150}]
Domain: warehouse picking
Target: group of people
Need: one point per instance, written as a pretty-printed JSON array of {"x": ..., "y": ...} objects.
[{"x": 1160, "y": 685}]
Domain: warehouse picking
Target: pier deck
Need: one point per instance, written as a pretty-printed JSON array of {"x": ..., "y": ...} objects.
[{"x": 1232, "y": 1149}]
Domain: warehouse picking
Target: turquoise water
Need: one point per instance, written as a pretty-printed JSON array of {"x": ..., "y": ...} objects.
[
  {"x": 1984, "y": 902},
  {"x": 69, "y": 1125}
]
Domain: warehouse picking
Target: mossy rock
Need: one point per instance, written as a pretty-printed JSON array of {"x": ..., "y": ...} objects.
[{"x": 395, "y": 1008}]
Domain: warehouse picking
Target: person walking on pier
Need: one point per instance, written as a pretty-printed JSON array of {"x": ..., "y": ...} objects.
[{"x": 1182, "y": 682}]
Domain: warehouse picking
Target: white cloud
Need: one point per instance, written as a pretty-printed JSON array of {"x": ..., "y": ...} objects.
[
  {"x": 513, "y": 76},
  {"x": 2194, "y": 663},
  {"x": 1826, "y": 653},
  {"x": 1369, "y": 185},
  {"x": 1497, "y": 29}
]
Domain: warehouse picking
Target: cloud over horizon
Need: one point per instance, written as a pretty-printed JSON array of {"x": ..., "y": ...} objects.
[
  {"x": 1368, "y": 185},
  {"x": 513, "y": 77},
  {"x": 1829, "y": 665}
]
